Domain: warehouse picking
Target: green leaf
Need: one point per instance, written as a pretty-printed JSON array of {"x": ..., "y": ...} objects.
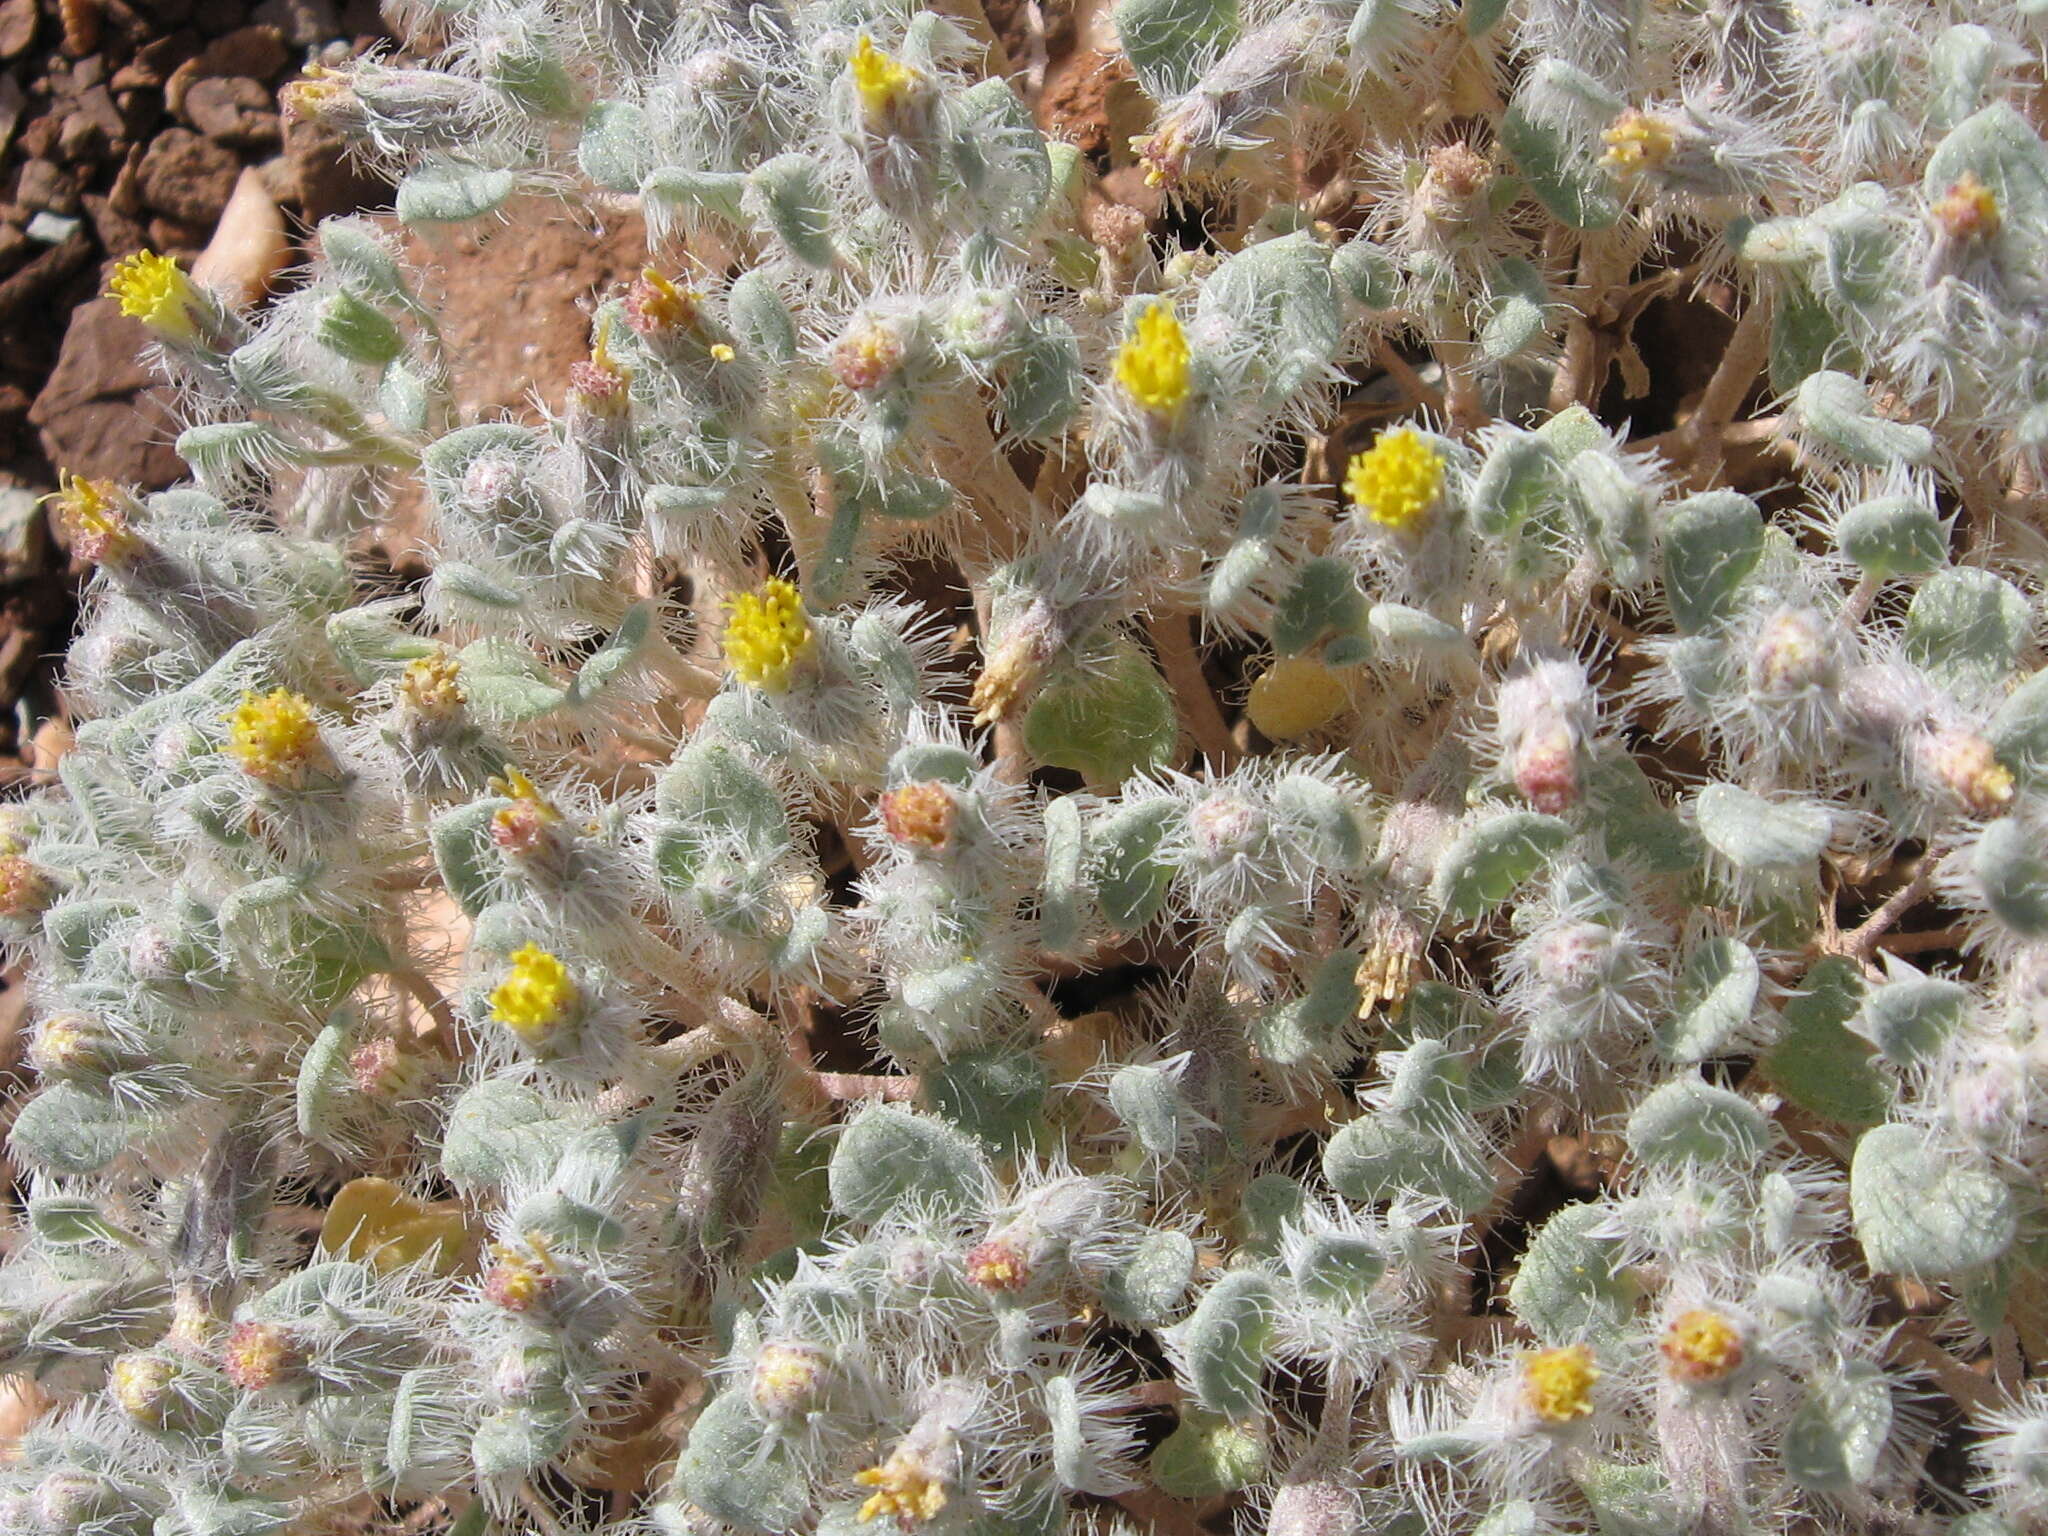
[
  {"x": 1925, "y": 1213},
  {"x": 610, "y": 661},
  {"x": 1834, "y": 1439},
  {"x": 1893, "y": 536},
  {"x": 451, "y": 194},
  {"x": 887, "y": 1154},
  {"x": 1145, "y": 1291},
  {"x": 2000, "y": 148},
  {"x": 1967, "y": 626},
  {"x": 797, "y": 206},
  {"x": 616, "y": 148},
  {"x": 2013, "y": 876},
  {"x": 1759, "y": 835},
  {"x": 1107, "y": 723},
  {"x": 1707, "y": 547},
  {"x": 1817, "y": 1063},
  {"x": 1512, "y": 310},
  {"x": 732, "y": 1469},
  {"x": 1170, "y": 42},
  {"x": 1130, "y": 879},
  {"x": 1278, "y": 304},
  {"x": 1805, "y": 336},
  {"x": 506, "y": 681},
  {"x": 1207, "y": 1456},
  {"x": 1837, "y": 409},
  {"x": 67, "y": 1129},
  {"x": 1571, "y": 1283},
  {"x": 1222, "y": 1345},
  {"x": 1557, "y": 156},
  {"x": 1690, "y": 1121},
  {"x": 1911, "y": 1016},
  {"x": 1717, "y": 993},
  {"x": 1490, "y": 860}
]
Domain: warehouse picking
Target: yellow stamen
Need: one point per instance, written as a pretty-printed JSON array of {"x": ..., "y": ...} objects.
[
  {"x": 882, "y": 81},
  {"x": 432, "y": 685},
  {"x": 904, "y": 1487},
  {"x": 536, "y": 997},
  {"x": 273, "y": 736},
  {"x": 1152, "y": 366},
  {"x": 1701, "y": 1346},
  {"x": 1637, "y": 142},
  {"x": 156, "y": 291},
  {"x": 1557, "y": 1384},
  {"x": 93, "y": 517},
  {"x": 1397, "y": 480},
  {"x": 1968, "y": 211},
  {"x": 767, "y": 635}
]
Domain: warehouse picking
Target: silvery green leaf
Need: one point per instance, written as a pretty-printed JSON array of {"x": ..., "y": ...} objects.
[
  {"x": 1837, "y": 409},
  {"x": 1690, "y": 1121},
  {"x": 1924, "y": 1212},
  {"x": 1758, "y": 835}
]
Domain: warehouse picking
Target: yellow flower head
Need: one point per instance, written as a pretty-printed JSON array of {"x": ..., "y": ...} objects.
[
  {"x": 257, "y": 1356},
  {"x": 1152, "y": 366},
  {"x": 1968, "y": 766},
  {"x": 141, "y": 1387},
  {"x": 25, "y": 889},
  {"x": 882, "y": 82},
  {"x": 432, "y": 685},
  {"x": 1637, "y": 142},
  {"x": 1701, "y": 1346},
  {"x": 514, "y": 785},
  {"x": 1164, "y": 155},
  {"x": 524, "y": 826},
  {"x": 787, "y": 1379},
  {"x": 93, "y": 517},
  {"x": 536, "y": 997},
  {"x": 156, "y": 291},
  {"x": 273, "y": 736},
  {"x": 904, "y": 1487},
  {"x": 516, "y": 1282},
  {"x": 321, "y": 91},
  {"x": 654, "y": 304},
  {"x": 1557, "y": 1384},
  {"x": 1968, "y": 210},
  {"x": 868, "y": 355},
  {"x": 921, "y": 815},
  {"x": 1397, "y": 480},
  {"x": 767, "y": 635}
]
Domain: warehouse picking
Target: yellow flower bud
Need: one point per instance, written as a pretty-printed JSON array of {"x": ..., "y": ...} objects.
[
  {"x": 537, "y": 997},
  {"x": 1557, "y": 1384},
  {"x": 767, "y": 635},
  {"x": 1701, "y": 1346},
  {"x": 881, "y": 81},
  {"x": 1152, "y": 366},
  {"x": 273, "y": 736},
  {"x": 156, "y": 291},
  {"x": 1397, "y": 480}
]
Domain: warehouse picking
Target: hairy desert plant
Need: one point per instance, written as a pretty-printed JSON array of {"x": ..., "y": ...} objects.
[{"x": 1262, "y": 742}]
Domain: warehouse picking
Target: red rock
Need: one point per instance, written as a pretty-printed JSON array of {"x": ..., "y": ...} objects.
[
  {"x": 155, "y": 61},
  {"x": 17, "y": 27},
  {"x": 188, "y": 178},
  {"x": 43, "y": 185},
  {"x": 257, "y": 52},
  {"x": 102, "y": 414},
  {"x": 120, "y": 233},
  {"x": 323, "y": 178},
  {"x": 235, "y": 110}
]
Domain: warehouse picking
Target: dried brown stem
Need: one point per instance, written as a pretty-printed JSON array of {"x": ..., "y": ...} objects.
[{"x": 1182, "y": 664}]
